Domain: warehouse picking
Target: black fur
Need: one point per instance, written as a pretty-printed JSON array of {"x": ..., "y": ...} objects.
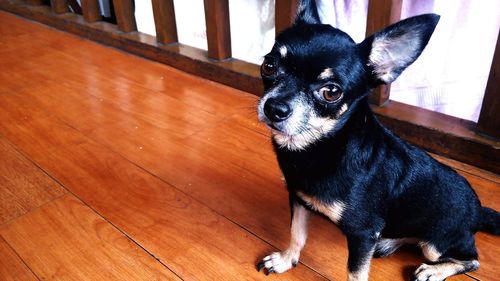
[{"x": 391, "y": 188}]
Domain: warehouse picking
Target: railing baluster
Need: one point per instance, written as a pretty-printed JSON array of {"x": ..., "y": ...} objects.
[
  {"x": 218, "y": 31},
  {"x": 382, "y": 13},
  {"x": 489, "y": 118},
  {"x": 124, "y": 11},
  {"x": 59, "y": 6},
  {"x": 164, "y": 14},
  {"x": 285, "y": 12},
  {"x": 90, "y": 10}
]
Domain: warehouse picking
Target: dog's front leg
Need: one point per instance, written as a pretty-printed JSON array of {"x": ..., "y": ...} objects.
[
  {"x": 279, "y": 262},
  {"x": 361, "y": 249}
]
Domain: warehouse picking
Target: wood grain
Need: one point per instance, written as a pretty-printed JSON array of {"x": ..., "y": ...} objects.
[
  {"x": 23, "y": 186},
  {"x": 165, "y": 25},
  {"x": 67, "y": 240},
  {"x": 91, "y": 10},
  {"x": 174, "y": 227},
  {"x": 218, "y": 30},
  {"x": 11, "y": 266}
]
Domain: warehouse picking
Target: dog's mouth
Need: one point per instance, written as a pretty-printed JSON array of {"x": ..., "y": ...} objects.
[{"x": 302, "y": 137}]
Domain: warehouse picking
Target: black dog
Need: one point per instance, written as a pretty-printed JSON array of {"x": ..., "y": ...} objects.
[{"x": 338, "y": 160}]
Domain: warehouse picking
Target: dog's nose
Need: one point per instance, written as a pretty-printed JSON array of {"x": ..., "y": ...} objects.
[{"x": 276, "y": 110}]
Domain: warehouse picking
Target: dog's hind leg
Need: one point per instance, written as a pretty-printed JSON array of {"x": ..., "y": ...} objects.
[
  {"x": 279, "y": 262},
  {"x": 444, "y": 269},
  {"x": 460, "y": 259}
]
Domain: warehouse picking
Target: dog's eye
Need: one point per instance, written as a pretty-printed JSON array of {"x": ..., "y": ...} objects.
[
  {"x": 330, "y": 93},
  {"x": 268, "y": 67}
]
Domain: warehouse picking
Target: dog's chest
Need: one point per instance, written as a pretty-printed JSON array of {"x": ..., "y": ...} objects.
[{"x": 333, "y": 210}]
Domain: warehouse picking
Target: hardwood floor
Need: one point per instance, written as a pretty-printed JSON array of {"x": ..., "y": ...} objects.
[{"x": 113, "y": 167}]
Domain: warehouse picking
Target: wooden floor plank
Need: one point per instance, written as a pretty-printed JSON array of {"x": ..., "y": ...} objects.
[
  {"x": 65, "y": 240},
  {"x": 10, "y": 26},
  {"x": 200, "y": 137},
  {"x": 150, "y": 76},
  {"x": 23, "y": 186},
  {"x": 191, "y": 239},
  {"x": 11, "y": 266}
]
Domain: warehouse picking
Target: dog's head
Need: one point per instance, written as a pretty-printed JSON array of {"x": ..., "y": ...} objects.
[{"x": 315, "y": 74}]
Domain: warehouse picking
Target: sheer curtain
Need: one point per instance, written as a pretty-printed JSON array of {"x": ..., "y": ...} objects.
[{"x": 449, "y": 77}]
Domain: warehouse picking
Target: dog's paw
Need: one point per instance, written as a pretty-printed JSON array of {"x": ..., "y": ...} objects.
[
  {"x": 427, "y": 272},
  {"x": 278, "y": 262}
]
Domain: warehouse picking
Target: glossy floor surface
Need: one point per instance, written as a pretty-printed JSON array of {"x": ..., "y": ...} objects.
[{"x": 113, "y": 167}]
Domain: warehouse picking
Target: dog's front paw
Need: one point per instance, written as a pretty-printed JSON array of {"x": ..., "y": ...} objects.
[
  {"x": 427, "y": 272},
  {"x": 278, "y": 262}
]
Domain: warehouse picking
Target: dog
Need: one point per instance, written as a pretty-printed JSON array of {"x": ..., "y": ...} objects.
[{"x": 339, "y": 161}]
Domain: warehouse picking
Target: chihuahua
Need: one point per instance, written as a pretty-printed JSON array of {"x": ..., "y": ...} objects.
[{"x": 338, "y": 160}]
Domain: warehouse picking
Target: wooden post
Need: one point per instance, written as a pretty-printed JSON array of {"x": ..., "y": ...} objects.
[
  {"x": 90, "y": 10},
  {"x": 125, "y": 18},
  {"x": 381, "y": 13},
  {"x": 218, "y": 31},
  {"x": 285, "y": 12},
  {"x": 489, "y": 118},
  {"x": 166, "y": 28},
  {"x": 59, "y": 6}
]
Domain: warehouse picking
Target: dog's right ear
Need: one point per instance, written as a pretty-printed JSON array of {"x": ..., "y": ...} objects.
[
  {"x": 307, "y": 13},
  {"x": 391, "y": 50}
]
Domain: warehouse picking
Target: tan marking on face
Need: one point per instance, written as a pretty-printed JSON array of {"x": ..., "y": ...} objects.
[
  {"x": 430, "y": 252},
  {"x": 283, "y": 51},
  {"x": 332, "y": 210},
  {"x": 326, "y": 74},
  {"x": 342, "y": 110}
]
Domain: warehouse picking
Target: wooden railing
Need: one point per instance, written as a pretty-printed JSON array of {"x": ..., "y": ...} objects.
[{"x": 474, "y": 143}]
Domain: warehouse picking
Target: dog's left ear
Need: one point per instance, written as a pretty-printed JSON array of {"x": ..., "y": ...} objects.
[
  {"x": 307, "y": 13},
  {"x": 391, "y": 50}
]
